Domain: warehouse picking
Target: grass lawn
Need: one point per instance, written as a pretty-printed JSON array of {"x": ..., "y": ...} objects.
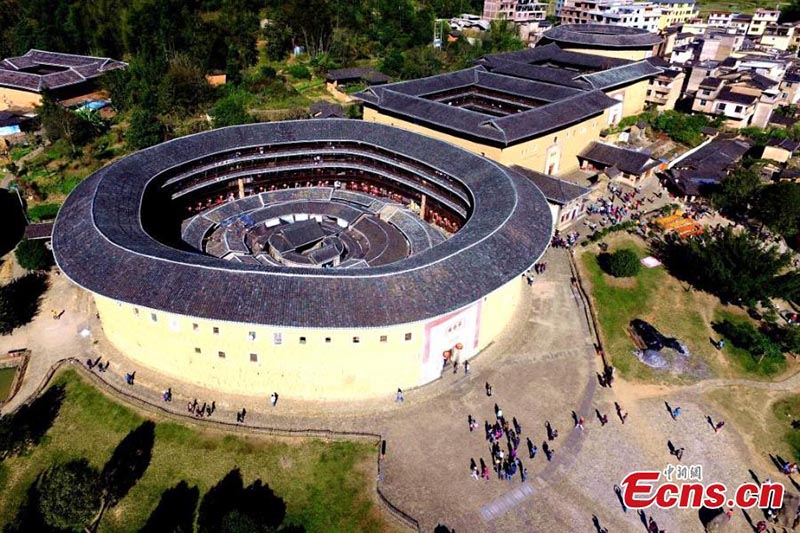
[
  {"x": 327, "y": 486},
  {"x": 655, "y": 296},
  {"x": 786, "y": 410}
]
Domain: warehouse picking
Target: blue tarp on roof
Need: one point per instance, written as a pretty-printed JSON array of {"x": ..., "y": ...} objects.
[
  {"x": 9, "y": 130},
  {"x": 94, "y": 105}
]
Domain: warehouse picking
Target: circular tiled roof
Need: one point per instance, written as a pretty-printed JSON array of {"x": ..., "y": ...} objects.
[{"x": 100, "y": 243}]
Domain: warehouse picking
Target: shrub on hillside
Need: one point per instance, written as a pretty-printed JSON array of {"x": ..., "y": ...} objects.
[
  {"x": 299, "y": 72},
  {"x": 33, "y": 255}
]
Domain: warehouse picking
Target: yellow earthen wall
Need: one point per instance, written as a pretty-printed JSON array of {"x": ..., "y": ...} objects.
[
  {"x": 531, "y": 154},
  {"x": 18, "y": 99},
  {"x": 315, "y": 369}
]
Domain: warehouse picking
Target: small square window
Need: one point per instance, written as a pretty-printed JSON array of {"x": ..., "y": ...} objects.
[
  {"x": 197, "y": 350},
  {"x": 195, "y": 327},
  {"x": 221, "y": 355},
  {"x": 356, "y": 340},
  {"x": 254, "y": 357},
  {"x": 327, "y": 339},
  {"x": 302, "y": 340},
  {"x": 216, "y": 330},
  {"x": 383, "y": 338},
  {"x": 408, "y": 336},
  {"x": 153, "y": 317},
  {"x": 252, "y": 335}
]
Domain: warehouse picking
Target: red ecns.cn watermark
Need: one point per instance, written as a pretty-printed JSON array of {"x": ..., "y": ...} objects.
[{"x": 643, "y": 489}]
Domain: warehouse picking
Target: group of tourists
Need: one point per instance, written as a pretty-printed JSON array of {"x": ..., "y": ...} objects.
[
  {"x": 98, "y": 364},
  {"x": 564, "y": 241},
  {"x": 505, "y": 462},
  {"x": 199, "y": 411}
]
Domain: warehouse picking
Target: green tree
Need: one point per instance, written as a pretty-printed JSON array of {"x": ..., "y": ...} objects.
[
  {"x": 184, "y": 88},
  {"x": 420, "y": 62},
  {"x": 145, "y": 129},
  {"x": 278, "y": 39},
  {"x": 737, "y": 267},
  {"x": 737, "y": 191},
  {"x": 503, "y": 36},
  {"x": 786, "y": 337},
  {"x": 33, "y": 255},
  {"x": 745, "y": 336},
  {"x": 624, "y": 263},
  {"x": 790, "y": 12},
  {"x": 8, "y": 314},
  {"x": 69, "y": 495},
  {"x": 778, "y": 206},
  {"x": 61, "y": 123},
  {"x": 231, "y": 110}
]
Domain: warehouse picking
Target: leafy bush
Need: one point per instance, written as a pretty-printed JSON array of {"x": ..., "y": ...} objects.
[
  {"x": 69, "y": 495},
  {"x": 33, "y": 255},
  {"x": 742, "y": 334},
  {"x": 231, "y": 110},
  {"x": 624, "y": 263},
  {"x": 145, "y": 129},
  {"x": 299, "y": 72},
  {"x": 625, "y": 226},
  {"x": 40, "y": 212}
]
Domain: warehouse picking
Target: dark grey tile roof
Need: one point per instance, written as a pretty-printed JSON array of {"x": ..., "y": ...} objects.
[
  {"x": 100, "y": 243},
  {"x": 323, "y": 109},
  {"x": 626, "y": 160},
  {"x": 555, "y": 190},
  {"x": 761, "y": 82},
  {"x": 728, "y": 95},
  {"x": 614, "y": 77},
  {"x": 708, "y": 166},
  {"x": 553, "y": 54},
  {"x": 781, "y": 120},
  {"x": 41, "y": 230},
  {"x": 792, "y": 77},
  {"x": 710, "y": 83},
  {"x": 533, "y": 72},
  {"x": 567, "y": 105},
  {"x": 76, "y": 69},
  {"x": 368, "y": 74},
  {"x": 787, "y": 144},
  {"x": 601, "y": 35}
]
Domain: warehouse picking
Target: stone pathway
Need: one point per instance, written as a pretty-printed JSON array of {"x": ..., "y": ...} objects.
[
  {"x": 504, "y": 503},
  {"x": 541, "y": 368}
]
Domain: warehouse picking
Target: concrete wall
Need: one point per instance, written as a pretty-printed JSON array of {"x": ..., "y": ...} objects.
[
  {"x": 18, "y": 99},
  {"x": 303, "y": 363}
]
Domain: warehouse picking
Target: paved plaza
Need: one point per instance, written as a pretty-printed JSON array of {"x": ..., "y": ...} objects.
[{"x": 541, "y": 369}]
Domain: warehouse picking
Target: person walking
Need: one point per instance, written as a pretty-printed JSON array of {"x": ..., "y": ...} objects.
[
  {"x": 273, "y": 399},
  {"x": 399, "y": 398},
  {"x": 579, "y": 424},
  {"x": 603, "y": 420},
  {"x": 719, "y": 426},
  {"x": 466, "y": 367},
  {"x": 532, "y": 449},
  {"x": 517, "y": 426},
  {"x": 488, "y": 389},
  {"x": 473, "y": 467},
  {"x": 676, "y": 412}
]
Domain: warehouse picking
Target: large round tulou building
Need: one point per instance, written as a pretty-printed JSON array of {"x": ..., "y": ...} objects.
[{"x": 323, "y": 259}]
